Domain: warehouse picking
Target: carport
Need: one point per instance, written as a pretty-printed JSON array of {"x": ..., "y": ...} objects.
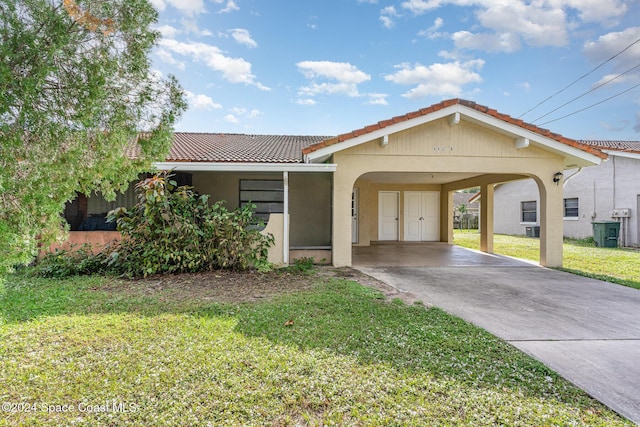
[{"x": 394, "y": 180}]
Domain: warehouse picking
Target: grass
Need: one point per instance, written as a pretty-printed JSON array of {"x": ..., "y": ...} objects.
[
  {"x": 616, "y": 265},
  {"x": 338, "y": 354}
]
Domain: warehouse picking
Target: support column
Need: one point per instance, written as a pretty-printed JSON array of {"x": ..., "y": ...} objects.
[
  {"x": 446, "y": 216},
  {"x": 285, "y": 223},
  {"x": 341, "y": 239},
  {"x": 486, "y": 218},
  {"x": 551, "y": 226}
]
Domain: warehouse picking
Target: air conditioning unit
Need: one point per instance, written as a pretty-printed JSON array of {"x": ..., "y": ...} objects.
[{"x": 621, "y": 213}]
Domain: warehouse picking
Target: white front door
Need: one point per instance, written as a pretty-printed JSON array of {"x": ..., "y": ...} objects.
[
  {"x": 388, "y": 215},
  {"x": 422, "y": 216},
  {"x": 354, "y": 216}
]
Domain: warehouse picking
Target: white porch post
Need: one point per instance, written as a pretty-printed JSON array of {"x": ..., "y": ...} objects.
[
  {"x": 486, "y": 218},
  {"x": 285, "y": 220}
]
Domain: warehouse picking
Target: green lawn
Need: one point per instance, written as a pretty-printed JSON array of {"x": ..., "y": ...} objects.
[
  {"x": 347, "y": 357},
  {"x": 615, "y": 265}
]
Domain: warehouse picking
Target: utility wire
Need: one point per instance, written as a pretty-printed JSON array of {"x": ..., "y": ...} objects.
[
  {"x": 578, "y": 79},
  {"x": 591, "y": 106},
  {"x": 587, "y": 92}
]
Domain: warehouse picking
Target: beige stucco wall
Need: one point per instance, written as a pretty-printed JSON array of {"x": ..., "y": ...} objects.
[{"x": 440, "y": 147}]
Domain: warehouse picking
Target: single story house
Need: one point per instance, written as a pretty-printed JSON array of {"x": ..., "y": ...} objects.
[
  {"x": 391, "y": 181},
  {"x": 607, "y": 192}
]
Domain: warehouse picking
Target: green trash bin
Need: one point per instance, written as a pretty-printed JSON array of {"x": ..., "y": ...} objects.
[{"x": 606, "y": 233}]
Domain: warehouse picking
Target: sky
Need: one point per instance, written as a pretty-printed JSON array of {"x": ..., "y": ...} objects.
[{"x": 326, "y": 67}]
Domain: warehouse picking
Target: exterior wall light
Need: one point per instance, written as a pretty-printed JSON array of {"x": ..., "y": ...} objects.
[{"x": 557, "y": 177}]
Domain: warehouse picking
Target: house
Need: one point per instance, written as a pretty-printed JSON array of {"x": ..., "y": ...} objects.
[
  {"x": 390, "y": 181},
  {"x": 607, "y": 192}
]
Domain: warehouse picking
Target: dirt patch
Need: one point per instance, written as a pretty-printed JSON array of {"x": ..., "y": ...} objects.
[{"x": 237, "y": 287}]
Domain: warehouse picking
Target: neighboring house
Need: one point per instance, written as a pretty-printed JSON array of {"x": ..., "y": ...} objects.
[
  {"x": 607, "y": 192},
  {"x": 466, "y": 210},
  {"x": 391, "y": 181}
]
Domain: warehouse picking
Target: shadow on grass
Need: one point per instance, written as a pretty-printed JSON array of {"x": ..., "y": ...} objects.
[{"x": 339, "y": 316}]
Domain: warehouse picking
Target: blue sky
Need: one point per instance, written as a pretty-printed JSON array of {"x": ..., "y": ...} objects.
[{"x": 324, "y": 67}]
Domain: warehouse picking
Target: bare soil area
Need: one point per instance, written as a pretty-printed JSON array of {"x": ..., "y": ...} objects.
[{"x": 238, "y": 287}]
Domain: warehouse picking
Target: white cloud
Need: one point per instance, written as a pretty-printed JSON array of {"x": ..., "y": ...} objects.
[
  {"x": 346, "y": 77},
  {"x": 598, "y": 10},
  {"x": 506, "y": 42},
  {"x": 200, "y": 101},
  {"x": 612, "y": 43},
  {"x": 188, "y": 7},
  {"x": 168, "y": 31},
  {"x": 504, "y": 26},
  {"x": 243, "y": 37},
  {"x": 386, "y": 16},
  {"x": 432, "y": 31},
  {"x": 159, "y": 5},
  {"x": 437, "y": 79},
  {"x": 306, "y": 101},
  {"x": 525, "y": 86},
  {"x": 230, "y": 6},
  {"x": 167, "y": 58},
  {"x": 378, "y": 99},
  {"x": 231, "y": 119},
  {"x": 235, "y": 70},
  {"x": 254, "y": 114},
  {"x": 418, "y": 7}
]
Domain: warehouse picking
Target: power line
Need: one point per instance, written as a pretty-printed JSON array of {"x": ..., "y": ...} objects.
[
  {"x": 592, "y": 105},
  {"x": 578, "y": 79},
  {"x": 587, "y": 92}
]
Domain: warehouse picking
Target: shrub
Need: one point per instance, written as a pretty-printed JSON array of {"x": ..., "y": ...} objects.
[
  {"x": 69, "y": 262},
  {"x": 170, "y": 230},
  {"x": 175, "y": 230}
]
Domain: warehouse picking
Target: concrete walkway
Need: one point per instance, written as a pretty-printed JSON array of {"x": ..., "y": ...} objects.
[{"x": 586, "y": 330}]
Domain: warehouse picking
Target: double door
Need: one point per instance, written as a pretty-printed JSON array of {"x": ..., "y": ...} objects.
[{"x": 422, "y": 216}]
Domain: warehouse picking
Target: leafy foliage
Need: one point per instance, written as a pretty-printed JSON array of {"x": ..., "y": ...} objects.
[
  {"x": 174, "y": 230},
  {"x": 77, "y": 91},
  {"x": 64, "y": 263}
]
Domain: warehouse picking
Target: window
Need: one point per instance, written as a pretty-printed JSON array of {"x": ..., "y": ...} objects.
[
  {"x": 529, "y": 211},
  {"x": 571, "y": 208},
  {"x": 266, "y": 195}
]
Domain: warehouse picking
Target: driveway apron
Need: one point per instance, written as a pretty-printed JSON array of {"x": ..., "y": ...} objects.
[{"x": 586, "y": 330}]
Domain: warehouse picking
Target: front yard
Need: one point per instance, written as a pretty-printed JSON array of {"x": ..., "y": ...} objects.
[
  {"x": 617, "y": 265},
  {"x": 274, "y": 349}
]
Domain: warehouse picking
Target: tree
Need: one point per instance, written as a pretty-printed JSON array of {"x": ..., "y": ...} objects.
[{"x": 78, "y": 96}]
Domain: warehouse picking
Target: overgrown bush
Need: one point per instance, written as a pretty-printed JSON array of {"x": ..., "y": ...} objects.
[
  {"x": 171, "y": 230},
  {"x": 175, "y": 230}
]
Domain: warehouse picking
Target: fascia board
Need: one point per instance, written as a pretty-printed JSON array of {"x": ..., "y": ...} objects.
[{"x": 245, "y": 167}]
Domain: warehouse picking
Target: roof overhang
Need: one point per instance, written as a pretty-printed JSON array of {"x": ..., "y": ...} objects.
[
  {"x": 244, "y": 167},
  {"x": 574, "y": 157},
  {"x": 627, "y": 154}
]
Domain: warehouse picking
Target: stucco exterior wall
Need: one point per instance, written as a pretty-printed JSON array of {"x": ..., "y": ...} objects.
[{"x": 611, "y": 185}]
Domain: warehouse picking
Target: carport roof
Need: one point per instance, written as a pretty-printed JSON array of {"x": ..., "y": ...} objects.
[{"x": 395, "y": 123}]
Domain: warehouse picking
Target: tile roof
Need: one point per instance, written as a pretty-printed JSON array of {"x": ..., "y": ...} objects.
[
  {"x": 448, "y": 103},
  {"x": 628, "y": 146},
  {"x": 223, "y": 147}
]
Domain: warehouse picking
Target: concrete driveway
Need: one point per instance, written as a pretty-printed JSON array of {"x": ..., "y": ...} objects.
[{"x": 586, "y": 330}]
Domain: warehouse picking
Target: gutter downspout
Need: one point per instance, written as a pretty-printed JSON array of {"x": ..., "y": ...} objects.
[{"x": 571, "y": 176}]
